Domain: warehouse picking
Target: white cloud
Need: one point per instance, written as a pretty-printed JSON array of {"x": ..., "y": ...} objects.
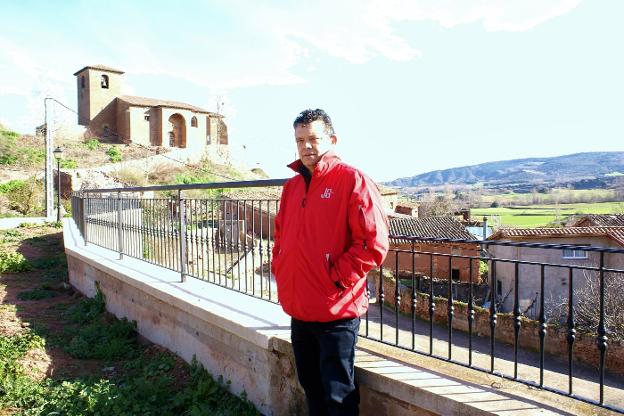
[
  {"x": 31, "y": 76},
  {"x": 261, "y": 44},
  {"x": 495, "y": 15}
]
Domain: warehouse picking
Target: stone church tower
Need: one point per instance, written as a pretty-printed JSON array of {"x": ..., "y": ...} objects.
[{"x": 97, "y": 87}]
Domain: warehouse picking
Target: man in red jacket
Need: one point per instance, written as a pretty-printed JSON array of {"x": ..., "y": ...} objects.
[{"x": 329, "y": 232}]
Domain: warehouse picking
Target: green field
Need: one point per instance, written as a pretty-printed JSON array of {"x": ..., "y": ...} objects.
[
  {"x": 555, "y": 195},
  {"x": 543, "y": 215}
]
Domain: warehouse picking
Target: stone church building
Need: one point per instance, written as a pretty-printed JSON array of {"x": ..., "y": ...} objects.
[{"x": 147, "y": 121}]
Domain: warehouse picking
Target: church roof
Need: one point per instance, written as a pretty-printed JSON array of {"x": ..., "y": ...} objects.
[
  {"x": 154, "y": 102},
  {"x": 100, "y": 68}
]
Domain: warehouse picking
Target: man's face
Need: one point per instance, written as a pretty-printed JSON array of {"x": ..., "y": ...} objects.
[{"x": 312, "y": 142}]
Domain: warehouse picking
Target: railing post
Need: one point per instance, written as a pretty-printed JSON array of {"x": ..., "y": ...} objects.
[
  {"x": 119, "y": 227},
  {"x": 182, "y": 236},
  {"x": 85, "y": 223}
]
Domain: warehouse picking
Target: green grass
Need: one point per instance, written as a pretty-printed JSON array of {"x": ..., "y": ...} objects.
[
  {"x": 37, "y": 294},
  {"x": 133, "y": 382},
  {"x": 543, "y": 215}
]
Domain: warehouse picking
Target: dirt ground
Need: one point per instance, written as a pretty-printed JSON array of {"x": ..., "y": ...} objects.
[{"x": 43, "y": 247}]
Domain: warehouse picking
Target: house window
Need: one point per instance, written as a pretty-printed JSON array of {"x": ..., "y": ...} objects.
[
  {"x": 569, "y": 253},
  {"x": 104, "y": 81},
  {"x": 82, "y": 81},
  {"x": 455, "y": 275},
  {"x": 194, "y": 122},
  {"x": 105, "y": 130},
  {"x": 146, "y": 117}
]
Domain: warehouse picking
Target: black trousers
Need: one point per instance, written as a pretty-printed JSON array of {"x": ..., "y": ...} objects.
[{"x": 324, "y": 356}]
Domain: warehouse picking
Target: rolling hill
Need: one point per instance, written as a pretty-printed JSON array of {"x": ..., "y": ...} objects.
[{"x": 580, "y": 170}]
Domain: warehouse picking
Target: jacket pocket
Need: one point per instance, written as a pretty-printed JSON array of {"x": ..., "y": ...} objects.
[{"x": 333, "y": 290}]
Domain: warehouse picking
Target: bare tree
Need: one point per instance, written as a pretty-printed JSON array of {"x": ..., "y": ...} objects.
[
  {"x": 438, "y": 205},
  {"x": 587, "y": 305}
]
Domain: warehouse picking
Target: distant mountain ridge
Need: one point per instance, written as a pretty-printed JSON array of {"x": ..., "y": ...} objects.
[{"x": 567, "y": 169}]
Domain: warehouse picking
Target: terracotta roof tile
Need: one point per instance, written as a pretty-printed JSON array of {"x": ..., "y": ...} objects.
[
  {"x": 153, "y": 102},
  {"x": 253, "y": 193},
  {"x": 615, "y": 233},
  {"x": 101, "y": 68},
  {"x": 433, "y": 227},
  {"x": 384, "y": 190},
  {"x": 605, "y": 220}
]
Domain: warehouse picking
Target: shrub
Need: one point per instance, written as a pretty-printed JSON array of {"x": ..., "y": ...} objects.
[
  {"x": 69, "y": 164},
  {"x": 114, "y": 154},
  {"x": 12, "y": 262},
  {"x": 24, "y": 196},
  {"x": 8, "y": 154},
  {"x": 483, "y": 268},
  {"x": 32, "y": 156},
  {"x": 130, "y": 176},
  {"x": 92, "y": 144},
  {"x": 7, "y": 158},
  {"x": 163, "y": 173},
  {"x": 11, "y": 186}
]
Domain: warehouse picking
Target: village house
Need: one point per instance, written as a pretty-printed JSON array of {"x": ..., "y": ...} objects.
[
  {"x": 556, "y": 283},
  {"x": 443, "y": 264},
  {"x": 150, "y": 122},
  {"x": 408, "y": 208},
  {"x": 389, "y": 197},
  {"x": 590, "y": 220}
]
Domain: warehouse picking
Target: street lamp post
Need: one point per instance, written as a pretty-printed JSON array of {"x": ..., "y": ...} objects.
[{"x": 58, "y": 153}]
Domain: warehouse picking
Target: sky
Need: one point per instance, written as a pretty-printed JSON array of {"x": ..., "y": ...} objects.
[{"x": 411, "y": 86}]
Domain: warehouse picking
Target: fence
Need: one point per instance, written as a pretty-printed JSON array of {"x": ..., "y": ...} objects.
[{"x": 228, "y": 242}]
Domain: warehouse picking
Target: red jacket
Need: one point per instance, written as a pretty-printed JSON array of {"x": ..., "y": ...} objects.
[{"x": 336, "y": 231}]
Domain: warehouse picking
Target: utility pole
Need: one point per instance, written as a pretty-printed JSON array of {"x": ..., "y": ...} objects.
[
  {"x": 49, "y": 159},
  {"x": 49, "y": 186}
]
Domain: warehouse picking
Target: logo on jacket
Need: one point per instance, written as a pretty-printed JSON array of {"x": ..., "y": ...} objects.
[{"x": 327, "y": 194}]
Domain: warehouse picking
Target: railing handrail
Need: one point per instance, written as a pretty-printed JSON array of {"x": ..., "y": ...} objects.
[
  {"x": 415, "y": 239},
  {"x": 183, "y": 187},
  {"x": 204, "y": 238}
]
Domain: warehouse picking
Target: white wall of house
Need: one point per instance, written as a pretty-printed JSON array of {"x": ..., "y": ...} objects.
[{"x": 556, "y": 279}]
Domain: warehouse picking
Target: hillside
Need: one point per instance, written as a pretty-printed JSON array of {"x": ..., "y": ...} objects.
[
  {"x": 579, "y": 170},
  {"x": 94, "y": 163}
]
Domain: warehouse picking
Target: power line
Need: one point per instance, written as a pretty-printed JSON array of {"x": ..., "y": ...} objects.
[{"x": 61, "y": 104}]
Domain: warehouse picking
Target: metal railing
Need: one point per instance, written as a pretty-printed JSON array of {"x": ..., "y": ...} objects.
[{"x": 432, "y": 296}]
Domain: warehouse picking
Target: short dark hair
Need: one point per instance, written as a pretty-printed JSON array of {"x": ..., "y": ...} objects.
[{"x": 309, "y": 115}]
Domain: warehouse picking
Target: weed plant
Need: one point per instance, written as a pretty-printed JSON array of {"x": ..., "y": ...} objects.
[
  {"x": 114, "y": 154},
  {"x": 92, "y": 144},
  {"x": 12, "y": 262},
  {"x": 37, "y": 294},
  {"x": 145, "y": 385}
]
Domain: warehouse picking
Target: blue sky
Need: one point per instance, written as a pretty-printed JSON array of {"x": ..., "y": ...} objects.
[{"x": 412, "y": 86}]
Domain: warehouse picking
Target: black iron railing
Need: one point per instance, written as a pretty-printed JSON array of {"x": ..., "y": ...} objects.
[{"x": 547, "y": 315}]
